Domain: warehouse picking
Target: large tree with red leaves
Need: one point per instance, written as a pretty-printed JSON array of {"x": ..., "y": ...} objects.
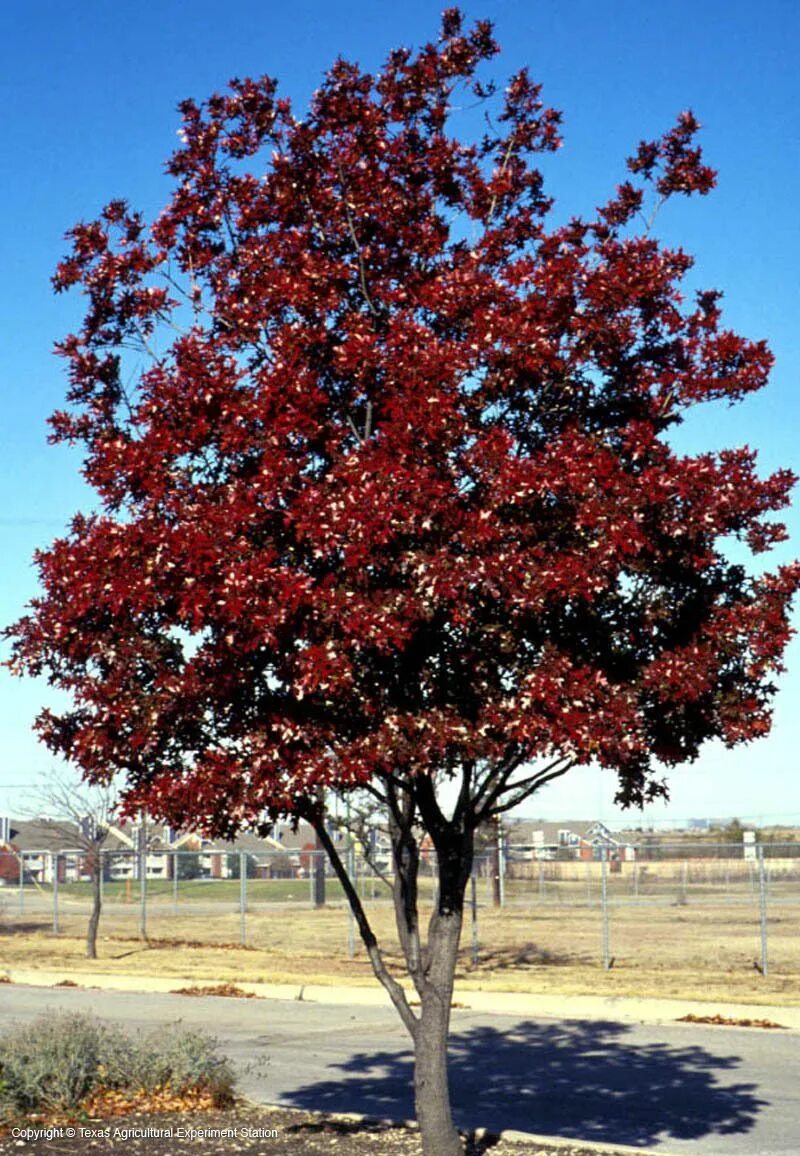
[{"x": 388, "y": 501}]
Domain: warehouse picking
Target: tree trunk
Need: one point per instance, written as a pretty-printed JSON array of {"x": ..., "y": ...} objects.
[
  {"x": 431, "y": 967},
  {"x": 94, "y": 918},
  {"x": 431, "y": 1085}
]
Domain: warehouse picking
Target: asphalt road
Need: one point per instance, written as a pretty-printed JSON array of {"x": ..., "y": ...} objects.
[{"x": 674, "y": 1087}]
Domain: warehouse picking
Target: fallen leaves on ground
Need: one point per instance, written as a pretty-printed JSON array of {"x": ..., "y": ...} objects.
[
  {"x": 725, "y": 1021},
  {"x": 107, "y": 1102},
  {"x": 162, "y": 941},
  {"x": 226, "y": 989}
]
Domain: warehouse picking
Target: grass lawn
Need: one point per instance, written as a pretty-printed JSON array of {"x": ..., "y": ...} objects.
[{"x": 223, "y": 891}]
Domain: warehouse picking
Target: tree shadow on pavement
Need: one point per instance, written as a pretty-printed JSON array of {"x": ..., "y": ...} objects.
[{"x": 576, "y": 1079}]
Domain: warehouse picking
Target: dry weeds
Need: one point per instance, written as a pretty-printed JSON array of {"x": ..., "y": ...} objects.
[{"x": 690, "y": 951}]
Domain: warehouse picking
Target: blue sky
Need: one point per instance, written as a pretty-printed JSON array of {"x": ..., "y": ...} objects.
[{"x": 89, "y": 91}]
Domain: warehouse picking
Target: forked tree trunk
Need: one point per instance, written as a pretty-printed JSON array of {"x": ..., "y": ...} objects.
[
  {"x": 432, "y": 969},
  {"x": 431, "y": 1086}
]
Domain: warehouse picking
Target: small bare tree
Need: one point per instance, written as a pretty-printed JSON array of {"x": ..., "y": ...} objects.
[{"x": 82, "y": 815}]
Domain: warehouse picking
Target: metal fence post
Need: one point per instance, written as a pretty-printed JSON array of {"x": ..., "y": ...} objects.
[
  {"x": 501, "y": 861},
  {"x": 604, "y": 907},
  {"x": 142, "y": 885},
  {"x": 762, "y": 907},
  {"x": 176, "y": 863},
  {"x": 21, "y": 857},
  {"x": 351, "y": 923},
  {"x": 54, "y": 858},
  {"x": 243, "y": 898},
  {"x": 474, "y": 905}
]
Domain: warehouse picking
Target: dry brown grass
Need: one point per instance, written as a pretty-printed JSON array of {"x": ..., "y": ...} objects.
[{"x": 692, "y": 951}]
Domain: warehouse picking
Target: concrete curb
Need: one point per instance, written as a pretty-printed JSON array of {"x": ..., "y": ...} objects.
[
  {"x": 590, "y": 1145},
  {"x": 580, "y": 1007}
]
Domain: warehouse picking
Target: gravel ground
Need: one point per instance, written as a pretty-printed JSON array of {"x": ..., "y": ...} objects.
[{"x": 251, "y": 1130}]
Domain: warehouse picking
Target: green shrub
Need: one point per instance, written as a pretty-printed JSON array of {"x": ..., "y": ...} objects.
[
  {"x": 180, "y": 1058},
  {"x": 52, "y": 1064}
]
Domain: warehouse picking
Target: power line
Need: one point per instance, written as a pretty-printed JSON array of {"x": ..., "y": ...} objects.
[{"x": 33, "y": 521}]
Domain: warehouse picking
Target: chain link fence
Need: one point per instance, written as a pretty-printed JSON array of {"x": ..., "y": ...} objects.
[{"x": 627, "y": 903}]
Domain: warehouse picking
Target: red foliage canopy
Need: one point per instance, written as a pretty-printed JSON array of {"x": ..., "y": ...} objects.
[{"x": 392, "y": 493}]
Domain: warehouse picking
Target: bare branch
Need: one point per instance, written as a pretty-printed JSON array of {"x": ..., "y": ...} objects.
[
  {"x": 498, "y": 775},
  {"x": 358, "y": 822},
  {"x": 74, "y": 803},
  {"x": 352, "y": 425},
  {"x": 405, "y": 852},
  {"x": 497, "y": 784},
  {"x": 351, "y": 228},
  {"x": 651, "y": 220},
  {"x": 396, "y": 993},
  {"x": 503, "y": 167},
  {"x": 526, "y": 788}
]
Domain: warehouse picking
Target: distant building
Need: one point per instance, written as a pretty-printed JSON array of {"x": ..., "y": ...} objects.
[
  {"x": 41, "y": 840},
  {"x": 584, "y": 839}
]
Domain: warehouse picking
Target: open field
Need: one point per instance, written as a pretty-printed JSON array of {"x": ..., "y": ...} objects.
[{"x": 700, "y": 947}]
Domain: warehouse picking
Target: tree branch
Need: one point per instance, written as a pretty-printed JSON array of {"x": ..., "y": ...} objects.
[
  {"x": 462, "y": 809},
  {"x": 503, "y": 167},
  {"x": 498, "y": 774},
  {"x": 357, "y": 823},
  {"x": 352, "y": 425},
  {"x": 362, "y": 273},
  {"x": 397, "y": 995},
  {"x": 523, "y": 790},
  {"x": 651, "y": 220},
  {"x": 405, "y": 853}
]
